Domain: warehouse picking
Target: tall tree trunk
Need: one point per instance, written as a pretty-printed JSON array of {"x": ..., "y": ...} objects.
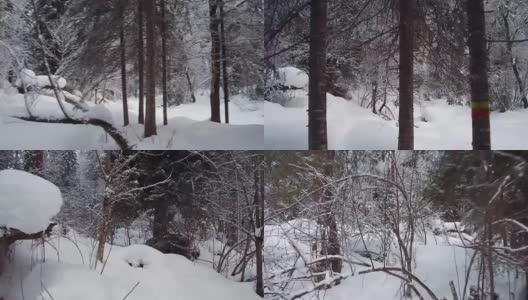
[
  {"x": 189, "y": 82},
  {"x": 150, "y": 111},
  {"x": 478, "y": 77},
  {"x": 215, "y": 61},
  {"x": 329, "y": 222},
  {"x": 164, "y": 60},
  {"x": 106, "y": 214},
  {"x": 317, "y": 135},
  {"x": 3, "y": 254},
  {"x": 374, "y": 95},
  {"x": 405, "y": 116},
  {"x": 122, "y": 47},
  {"x": 104, "y": 227},
  {"x": 509, "y": 46},
  {"x": 141, "y": 57},
  {"x": 161, "y": 219},
  {"x": 39, "y": 156},
  {"x": 225, "y": 78},
  {"x": 489, "y": 217},
  {"x": 259, "y": 223}
]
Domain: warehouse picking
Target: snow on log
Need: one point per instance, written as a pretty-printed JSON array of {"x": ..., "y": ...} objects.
[
  {"x": 29, "y": 78},
  {"x": 293, "y": 77},
  {"x": 27, "y": 202}
]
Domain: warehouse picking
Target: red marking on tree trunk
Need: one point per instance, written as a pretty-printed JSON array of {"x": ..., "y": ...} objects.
[{"x": 480, "y": 113}]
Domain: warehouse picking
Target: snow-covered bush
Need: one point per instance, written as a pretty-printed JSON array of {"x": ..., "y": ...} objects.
[{"x": 27, "y": 202}]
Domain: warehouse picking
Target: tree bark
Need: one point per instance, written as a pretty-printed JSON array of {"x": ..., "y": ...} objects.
[
  {"x": 317, "y": 134},
  {"x": 164, "y": 60},
  {"x": 189, "y": 82},
  {"x": 39, "y": 157},
  {"x": 3, "y": 254},
  {"x": 225, "y": 78},
  {"x": 259, "y": 226},
  {"x": 122, "y": 47},
  {"x": 406, "y": 96},
  {"x": 215, "y": 61},
  {"x": 150, "y": 111},
  {"x": 16, "y": 235},
  {"x": 103, "y": 228},
  {"x": 333, "y": 246},
  {"x": 141, "y": 57},
  {"x": 107, "y": 127},
  {"x": 374, "y": 95},
  {"x": 106, "y": 214},
  {"x": 478, "y": 77}
]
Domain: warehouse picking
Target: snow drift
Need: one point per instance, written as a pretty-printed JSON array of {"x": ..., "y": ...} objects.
[
  {"x": 138, "y": 270},
  {"x": 353, "y": 127}
]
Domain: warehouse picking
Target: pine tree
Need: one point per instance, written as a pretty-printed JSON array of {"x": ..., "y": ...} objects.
[
  {"x": 317, "y": 135},
  {"x": 478, "y": 76},
  {"x": 406, "y": 103},
  {"x": 215, "y": 60},
  {"x": 61, "y": 168},
  {"x": 122, "y": 47},
  {"x": 141, "y": 60},
  {"x": 150, "y": 112},
  {"x": 50, "y": 11},
  {"x": 7, "y": 159},
  {"x": 225, "y": 77},
  {"x": 164, "y": 65},
  {"x": 32, "y": 161}
]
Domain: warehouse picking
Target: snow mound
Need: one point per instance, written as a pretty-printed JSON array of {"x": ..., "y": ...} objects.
[
  {"x": 60, "y": 281},
  {"x": 67, "y": 274},
  {"x": 27, "y": 202},
  {"x": 291, "y": 76},
  {"x": 369, "y": 135},
  {"x": 140, "y": 256},
  {"x": 101, "y": 112}
]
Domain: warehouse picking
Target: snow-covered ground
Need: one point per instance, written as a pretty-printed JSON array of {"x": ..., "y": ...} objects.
[
  {"x": 437, "y": 261},
  {"x": 352, "y": 127},
  {"x": 188, "y": 126},
  {"x": 66, "y": 274}
]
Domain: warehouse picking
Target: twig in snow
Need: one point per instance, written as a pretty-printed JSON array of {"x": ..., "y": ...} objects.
[
  {"x": 106, "y": 260},
  {"x": 46, "y": 290},
  {"x": 130, "y": 292}
]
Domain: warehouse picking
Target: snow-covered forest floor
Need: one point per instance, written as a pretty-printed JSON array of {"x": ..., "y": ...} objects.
[
  {"x": 64, "y": 266},
  {"x": 188, "y": 125},
  {"x": 439, "y": 259},
  {"x": 353, "y": 127}
]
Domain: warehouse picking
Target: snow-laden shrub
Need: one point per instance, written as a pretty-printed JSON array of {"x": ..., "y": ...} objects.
[{"x": 27, "y": 202}]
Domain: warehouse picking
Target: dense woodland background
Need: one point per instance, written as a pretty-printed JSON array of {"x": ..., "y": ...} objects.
[
  {"x": 108, "y": 50},
  {"x": 379, "y": 52}
]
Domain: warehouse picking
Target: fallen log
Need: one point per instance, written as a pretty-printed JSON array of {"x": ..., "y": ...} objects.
[{"x": 107, "y": 127}]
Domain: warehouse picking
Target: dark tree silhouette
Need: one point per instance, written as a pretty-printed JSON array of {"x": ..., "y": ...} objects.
[
  {"x": 405, "y": 116},
  {"x": 150, "y": 111},
  {"x": 317, "y": 135},
  {"x": 478, "y": 77}
]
